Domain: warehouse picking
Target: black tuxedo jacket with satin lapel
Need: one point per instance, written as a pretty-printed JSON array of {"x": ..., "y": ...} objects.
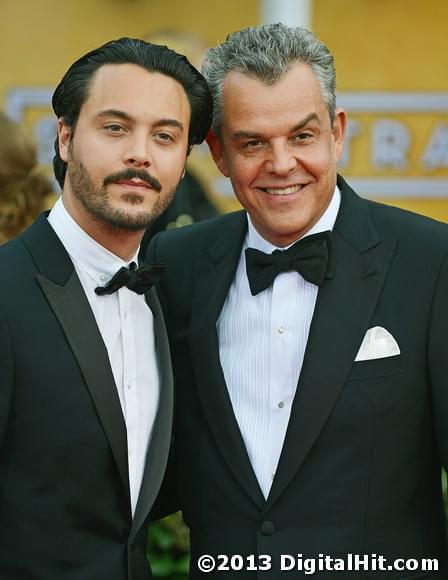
[
  {"x": 360, "y": 469},
  {"x": 64, "y": 490}
]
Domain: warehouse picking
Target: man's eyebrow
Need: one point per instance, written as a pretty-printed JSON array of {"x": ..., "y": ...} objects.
[
  {"x": 255, "y": 135},
  {"x": 301, "y": 124},
  {"x": 246, "y": 135},
  {"x": 115, "y": 113},
  {"x": 170, "y": 122},
  {"x": 127, "y": 117}
]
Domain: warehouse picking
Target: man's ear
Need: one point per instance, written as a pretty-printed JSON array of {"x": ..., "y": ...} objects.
[
  {"x": 64, "y": 139},
  {"x": 216, "y": 150},
  {"x": 339, "y": 126}
]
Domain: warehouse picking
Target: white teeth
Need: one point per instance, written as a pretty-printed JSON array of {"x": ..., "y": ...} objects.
[
  {"x": 284, "y": 191},
  {"x": 136, "y": 180}
]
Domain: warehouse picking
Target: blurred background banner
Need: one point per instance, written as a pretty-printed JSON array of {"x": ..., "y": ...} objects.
[{"x": 390, "y": 59}]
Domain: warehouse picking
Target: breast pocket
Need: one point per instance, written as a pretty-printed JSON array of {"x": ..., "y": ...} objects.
[{"x": 377, "y": 368}]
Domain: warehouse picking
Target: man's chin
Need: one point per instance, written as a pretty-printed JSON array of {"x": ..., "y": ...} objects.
[{"x": 125, "y": 221}]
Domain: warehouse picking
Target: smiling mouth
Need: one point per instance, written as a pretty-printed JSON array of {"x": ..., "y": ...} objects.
[{"x": 282, "y": 190}]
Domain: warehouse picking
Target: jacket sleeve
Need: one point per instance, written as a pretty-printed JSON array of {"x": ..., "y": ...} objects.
[
  {"x": 6, "y": 376},
  {"x": 167, "y": 501},
  {"x": 438, "y": 361}
]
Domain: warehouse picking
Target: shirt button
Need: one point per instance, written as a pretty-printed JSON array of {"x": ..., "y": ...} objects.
[
  {"x": 103, "y": 277},
  {"x": 281, "y": 329},
  {"x": 125, "y": 314},
  {"x": 129, "y": 386},
  {"x": 281, "y": 405}
]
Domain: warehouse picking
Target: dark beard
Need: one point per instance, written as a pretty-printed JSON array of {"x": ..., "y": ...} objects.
[{"x": 96, "y": 202}]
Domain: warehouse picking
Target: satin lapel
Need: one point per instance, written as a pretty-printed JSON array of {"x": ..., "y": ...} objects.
[
  {"x": 214, "y": 271},
  {"x": 69, "y": 303},
  {"x": 158, "y": 448},
  {"x": 344, "y": 308}
]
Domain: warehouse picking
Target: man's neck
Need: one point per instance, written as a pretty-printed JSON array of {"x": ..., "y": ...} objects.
[{"x": 122, "y": 243}]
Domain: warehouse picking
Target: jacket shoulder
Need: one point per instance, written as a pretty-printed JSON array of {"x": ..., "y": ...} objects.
[
  {"x": 13, "y": 258},
  {"x": 389, "y": 221},
  {"x": 196, "y": 236},
  {"x": 408, "y": 226}
]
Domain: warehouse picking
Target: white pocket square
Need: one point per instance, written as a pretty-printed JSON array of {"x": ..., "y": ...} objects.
[{"x": 377, "y": 343}]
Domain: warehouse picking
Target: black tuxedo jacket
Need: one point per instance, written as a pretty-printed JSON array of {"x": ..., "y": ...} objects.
[
  {"x": 360, "y": 469},
  {"x": 64, "y": 490}
]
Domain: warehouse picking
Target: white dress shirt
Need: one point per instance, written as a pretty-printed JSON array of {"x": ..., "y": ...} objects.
[
  {"x": 262, "y": 342},
  {"x": 126, "y": 325}
]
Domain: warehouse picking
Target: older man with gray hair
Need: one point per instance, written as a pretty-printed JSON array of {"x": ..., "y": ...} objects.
[{"x": 309, "y": 341}]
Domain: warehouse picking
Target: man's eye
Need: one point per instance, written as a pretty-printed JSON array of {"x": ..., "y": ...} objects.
[
  {"x": 114, "y": 128},
  {"x": 252, "y": 144},
  {"x": 302, "y": 136},
  {"x": 166, "y": 137}
]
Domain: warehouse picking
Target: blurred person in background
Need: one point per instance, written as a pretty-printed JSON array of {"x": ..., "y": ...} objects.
[
  {"x": 25, "y": 189},
  {"x": 85, "y": 375},
  {"x": 309, "y": 341}
]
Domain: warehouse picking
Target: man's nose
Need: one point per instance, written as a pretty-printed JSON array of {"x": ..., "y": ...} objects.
[
  {"x": 138, "y": 152},
  {"x": 282, "y": 159}
]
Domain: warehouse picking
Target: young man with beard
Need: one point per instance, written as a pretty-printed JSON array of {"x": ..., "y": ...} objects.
[
  {"x": 308, "y": 337},
  {"x": 85, "y": 379}
]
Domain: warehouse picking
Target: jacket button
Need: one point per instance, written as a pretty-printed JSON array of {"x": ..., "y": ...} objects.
[{"x": 267, "y": 528}]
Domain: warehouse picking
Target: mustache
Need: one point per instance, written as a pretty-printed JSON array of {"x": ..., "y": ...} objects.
[{"x": 130, "y": 173}]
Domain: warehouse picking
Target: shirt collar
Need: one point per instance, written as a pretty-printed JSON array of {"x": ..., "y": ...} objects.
[
  {"x": 94, "y": 259},
  {"x": 326, "y": 222}
]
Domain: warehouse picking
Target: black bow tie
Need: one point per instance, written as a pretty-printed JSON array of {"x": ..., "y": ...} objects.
[
  {"x": 311, "y": 256},
  {"x": 138, "y": 280}
]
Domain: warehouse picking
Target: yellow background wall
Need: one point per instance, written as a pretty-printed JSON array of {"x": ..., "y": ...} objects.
[
  {"x": 386, "y": 44},
  {"x": 39, "y": 38},
  {"x": 390, "y": 45}
]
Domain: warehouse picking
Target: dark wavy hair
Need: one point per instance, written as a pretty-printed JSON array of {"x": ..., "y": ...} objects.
[{"x": 73, "y": 90}]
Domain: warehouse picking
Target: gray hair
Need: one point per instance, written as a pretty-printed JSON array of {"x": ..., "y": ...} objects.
[{"x": 267, "y": 53}]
